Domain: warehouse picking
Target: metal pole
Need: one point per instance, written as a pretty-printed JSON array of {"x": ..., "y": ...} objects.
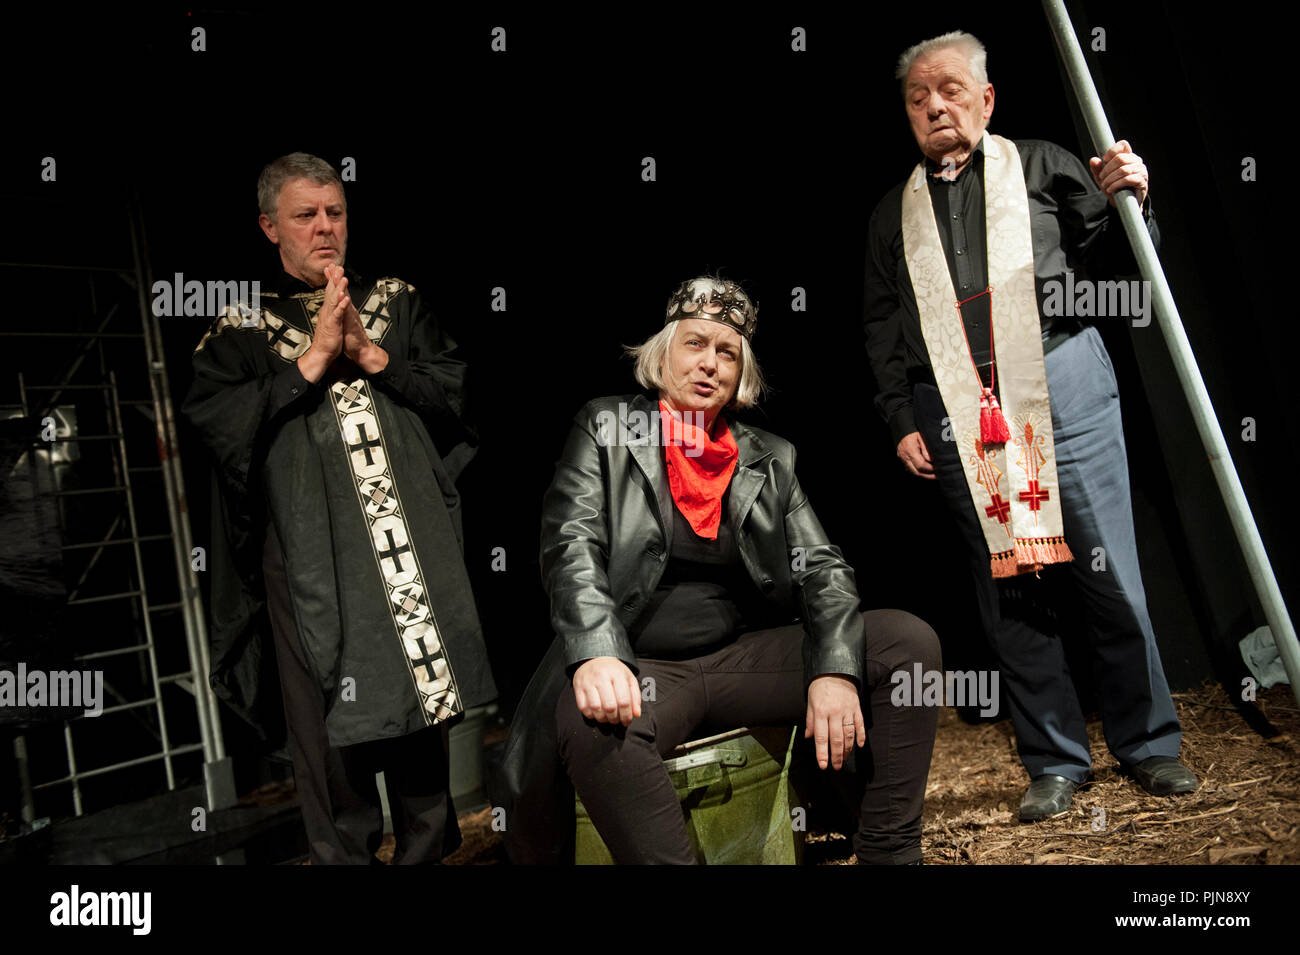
[
  {"x": 1180, "y": 350},
  {"x": 24, "y": 779},
  {"x": 218, "y": 774}
]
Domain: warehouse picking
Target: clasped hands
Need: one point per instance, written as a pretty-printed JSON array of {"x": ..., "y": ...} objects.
[
  {"x": 339, "y": 331},
  {"x": 607, "y": 691}
]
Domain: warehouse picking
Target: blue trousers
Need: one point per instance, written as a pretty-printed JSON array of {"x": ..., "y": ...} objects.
[{"x": 1019, "y": 618}]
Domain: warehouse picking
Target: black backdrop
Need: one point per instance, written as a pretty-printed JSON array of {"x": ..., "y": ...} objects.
[{"x": 522, "y": 170}]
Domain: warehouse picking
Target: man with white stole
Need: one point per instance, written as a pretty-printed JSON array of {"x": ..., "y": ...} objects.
[{"x": 1014, "y": 409}]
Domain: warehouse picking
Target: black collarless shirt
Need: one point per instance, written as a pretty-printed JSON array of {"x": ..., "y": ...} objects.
[
  {"x": 704, "y": 599},
  {"x": 959, "y": 212}
]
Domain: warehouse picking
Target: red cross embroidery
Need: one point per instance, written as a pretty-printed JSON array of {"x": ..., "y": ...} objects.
[
  {"x": 1035, "y": 496},
  {"x": 999, "y": 508}
]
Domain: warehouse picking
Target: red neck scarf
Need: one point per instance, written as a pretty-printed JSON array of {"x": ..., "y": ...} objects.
[{"x": 699, "y": 470}]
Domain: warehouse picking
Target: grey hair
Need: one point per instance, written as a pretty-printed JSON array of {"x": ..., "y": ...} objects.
[
  {"x": 976, "y": 56},
  {"x": 651, "y": 354},
  {"x": 290, "y": 167}
]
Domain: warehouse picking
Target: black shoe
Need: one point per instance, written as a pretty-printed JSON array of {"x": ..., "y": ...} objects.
[
  {"x": 1047, "y": 796},
  {"x": 1163, "y": 776}
]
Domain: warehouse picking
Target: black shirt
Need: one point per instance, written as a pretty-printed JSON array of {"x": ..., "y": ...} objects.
[
  {"x": 1074, "y": 228},
  {"x": 704, "y": 599}
]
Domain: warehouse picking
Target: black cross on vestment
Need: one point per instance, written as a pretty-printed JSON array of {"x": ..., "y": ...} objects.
[
  {"x": 366, "y": 443},
  {"x": 394, "y": 551},
  {"x": 425, "y": 659},
  {"x": 278, "y": 334}
]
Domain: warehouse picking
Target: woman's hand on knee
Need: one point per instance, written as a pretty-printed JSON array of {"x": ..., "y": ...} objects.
[
  {"x": 834, "y": 718},
  {"x": 607, "y": 691}
]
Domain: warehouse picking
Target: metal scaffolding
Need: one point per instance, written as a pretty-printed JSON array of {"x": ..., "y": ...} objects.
[{"x": 103, "y": 520}]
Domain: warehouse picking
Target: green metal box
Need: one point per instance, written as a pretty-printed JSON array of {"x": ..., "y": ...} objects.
[{"x": 736, "y": 794}]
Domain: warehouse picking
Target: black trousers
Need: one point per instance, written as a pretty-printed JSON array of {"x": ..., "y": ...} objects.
[
  {"x": 336, "y": 784},
  {"x": 619, "y": 771}
]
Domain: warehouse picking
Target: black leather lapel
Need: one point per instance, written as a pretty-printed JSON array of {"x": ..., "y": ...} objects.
[
  {"x": 747, "y": 482},
  {"x": 640, "y": 420}
]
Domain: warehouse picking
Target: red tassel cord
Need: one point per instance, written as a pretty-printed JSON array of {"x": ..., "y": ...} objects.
[
  {"x": 1000, "y": 433},
  {"x": 993, "y": 425}
]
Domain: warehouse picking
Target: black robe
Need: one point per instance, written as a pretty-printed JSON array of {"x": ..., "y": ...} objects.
[{"x": 358, "y": 475}]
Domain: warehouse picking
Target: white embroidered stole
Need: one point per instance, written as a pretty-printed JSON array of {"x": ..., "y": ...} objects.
[{"x": 1013, "y": 487}]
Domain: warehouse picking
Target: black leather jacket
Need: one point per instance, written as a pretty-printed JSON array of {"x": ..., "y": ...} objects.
[{"x": 606, "y": 534}]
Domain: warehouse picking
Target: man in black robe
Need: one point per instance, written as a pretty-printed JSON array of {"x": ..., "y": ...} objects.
[{"x": 334, "y": 409}]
